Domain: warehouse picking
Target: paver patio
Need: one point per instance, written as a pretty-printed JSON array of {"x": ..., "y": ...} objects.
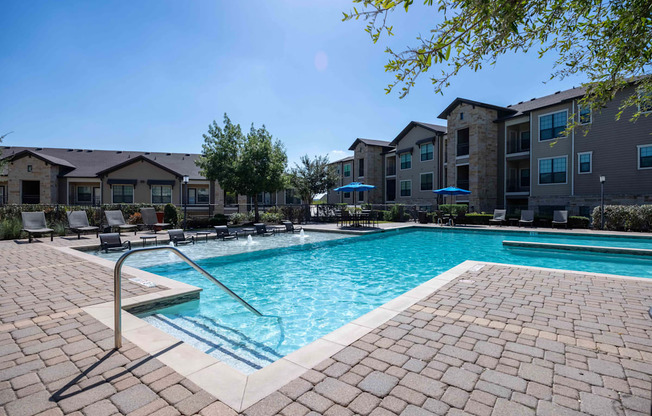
[{"x": 499, "y": 340}]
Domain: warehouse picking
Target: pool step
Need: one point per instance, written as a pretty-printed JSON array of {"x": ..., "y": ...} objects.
[{"x": 218, "y": 340}]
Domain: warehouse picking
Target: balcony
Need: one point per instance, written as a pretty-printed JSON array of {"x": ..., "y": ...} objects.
[
  {"x": 462, "y": 149},
  {"x": 463, "y": 184},
  {"x": 518, "y": 147},
  {"x": 390, "y": 171},
  {"x": 515, "y": 188}
]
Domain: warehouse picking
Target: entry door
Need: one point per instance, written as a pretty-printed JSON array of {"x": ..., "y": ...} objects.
[
  {"x": 391, "y": 189},
  {"x": 192, "y": 196},
  {"x": 97, "y": 196},
  {"x": 31, "y": 192}
]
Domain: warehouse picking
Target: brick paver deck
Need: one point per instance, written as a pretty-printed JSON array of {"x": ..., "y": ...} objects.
[{"x": 501, "y": 340}]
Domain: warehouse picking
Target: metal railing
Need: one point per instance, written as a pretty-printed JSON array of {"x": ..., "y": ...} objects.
[{"x": 117, "y": 286}]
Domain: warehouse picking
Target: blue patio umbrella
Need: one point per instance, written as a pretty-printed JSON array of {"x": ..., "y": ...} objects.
[
  {"x": 451, "y": 190},
  {"x": 354, "y": 187}
]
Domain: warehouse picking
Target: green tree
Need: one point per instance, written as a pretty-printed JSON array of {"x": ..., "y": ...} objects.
[
  {"x": 3, "y": 161},
  {"x": 246, "y": 165},
  {"x": 609, "y": 42},
  {"x": 312, "y": 177}
]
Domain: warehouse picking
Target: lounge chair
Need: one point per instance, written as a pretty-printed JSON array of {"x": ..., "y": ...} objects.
[
  {"x": 499, "y": 216},
  {"x": 179, "y": 237},
  {"x": 150, "y": 220},
  {"x": 78, "y": 223},
  {"x": 290, "y": 228},
  {"x": 560, "y": 217},
  {"x": 261, "y": 229},
  {"x": 527, "y": 217},
  {"x": 34, "y": 223},
  {"x": 112, "y": 242},
  {"x": 459, "y": 219},
  {"x": 224, "y": 233},
  {"x": 116, "y": 220}
]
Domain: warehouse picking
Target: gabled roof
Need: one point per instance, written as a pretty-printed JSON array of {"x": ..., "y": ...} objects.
[
  {"x": 369, "y": 142},
  {"x": 559, "y": 97},
  {"x": 438, "y": 130},
  {"x": 346, "y": 159},
  {"x": 502, "y": 111},
  {"x": 134, "y": 160},
  {"x": 46, "y": 158}
]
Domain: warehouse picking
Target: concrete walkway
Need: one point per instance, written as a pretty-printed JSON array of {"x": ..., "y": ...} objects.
[{"x": 498, "y": 340}]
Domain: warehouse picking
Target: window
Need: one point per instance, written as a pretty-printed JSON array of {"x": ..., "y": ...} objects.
[
  {"x": 585, "y": 115},
  {"x": 84, "y": 194},
  {"x": 552, "y": 170},
  {"x": 645, "y": 156},
  {"x": 406, "y": 188},
  {"x": 645, "y": 104},
  {"x": 361, "y": 168},
  {"x": 427, "y": 152},
  {"x": 161, "y": 194},
  {"x": 552, "y": 125},
  {"x": 203, "y": 196},
  {"x": 347, "y": 194},
  {"x": 584, "y": 162},
  {"x": 525, "y": 178},
  {"x": 462, "y": 142},
  {"x": 347, "y": 170},
  {"x": 360, "y": 196},
  {"x": 426, "y": 181},
  {"x": 3, "y": 195},
  {"x": 123, "y": 194},
  {"x": 461, "y": 115},
  {"x": 406, "y": 161},
  {"x": 525, "y": 140}
]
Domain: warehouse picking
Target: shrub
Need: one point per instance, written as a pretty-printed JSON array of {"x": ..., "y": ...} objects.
[
  {"x": 578, "y": 222},
  {"x": 454, "y": 208},
  {"x": 240, "y": 217},
  {"x": 171, "y": 215},
  {"x": 135, "y": 218},
  {"x": 59, "y": 228},
  {"x": 10, "y": 228},
  {"x": 396, "y": 213},
  {"x": 476, "y": 218},
  {"x": 624, "y": 217},
  {"x": 271, "y": 217},
  {"x": 219, "y": 219}
]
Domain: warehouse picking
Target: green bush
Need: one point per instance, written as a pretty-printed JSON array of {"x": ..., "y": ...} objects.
[
  {"x": 171, "y": 215},
  {"x": 578, "y": 222},
  {"x": 454, "y": 208},
  {"x": 219, "y": 219},
  {"x": 624, "y": 217},
  {"x": 240, "y": 217},
  {"x": 10, "y": 228},
  {"x": 396, "y": 213},
  {"x": 476, "y": 218},
  {"x": 271, "y": 217}
]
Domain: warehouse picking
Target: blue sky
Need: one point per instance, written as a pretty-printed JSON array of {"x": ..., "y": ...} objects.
[{"x": 151, "y": 75}]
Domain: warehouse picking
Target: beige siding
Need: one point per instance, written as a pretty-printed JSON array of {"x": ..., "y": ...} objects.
[
  {"x": 418, "y": 197},
  {"x": 141, "y": 171}
]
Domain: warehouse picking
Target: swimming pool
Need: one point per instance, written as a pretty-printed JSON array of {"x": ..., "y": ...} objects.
[{"x": 316, "y": 287}]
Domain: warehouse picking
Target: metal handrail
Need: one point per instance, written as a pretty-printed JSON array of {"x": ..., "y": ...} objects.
[{"x": 117, "y": 286}]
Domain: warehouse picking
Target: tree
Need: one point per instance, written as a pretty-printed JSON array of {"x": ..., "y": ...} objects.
[
  {"x": 312, "y": 177},
  {"x": 246, "y": 165},
  {"x": 3, "y": 161},
  {"x": 610, "y": 42}
]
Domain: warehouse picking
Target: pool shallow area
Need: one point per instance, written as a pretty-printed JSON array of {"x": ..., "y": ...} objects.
[{"x": 310, "y": 288}]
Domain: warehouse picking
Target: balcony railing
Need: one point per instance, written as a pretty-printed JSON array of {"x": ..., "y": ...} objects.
[
  {"x": 516, "y": 145},
  {"x": 391, "y": 171},
  {"x": 514, "y": 186}
]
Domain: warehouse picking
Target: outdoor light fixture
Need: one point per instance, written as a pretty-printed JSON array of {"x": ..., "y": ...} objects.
[
  {"x": 603, "y": 179},
  {"x": 186, "y": 179}
]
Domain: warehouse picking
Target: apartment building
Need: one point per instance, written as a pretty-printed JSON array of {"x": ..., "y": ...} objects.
[
  {"x": 515, "y": 156},
  {"x": 91, "y": 177}
]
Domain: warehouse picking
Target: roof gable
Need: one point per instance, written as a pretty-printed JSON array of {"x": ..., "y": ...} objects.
[
  {"x": 134, "y": 160},
  {"x": 438, "y": 130},
  {"x": 369, "y": 142},
  {"x": 46, "y": 158},
  {"x": 502, "y": 111}
]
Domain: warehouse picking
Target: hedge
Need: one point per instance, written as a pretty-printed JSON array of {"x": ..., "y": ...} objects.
[{"x": 624, "y": 217}]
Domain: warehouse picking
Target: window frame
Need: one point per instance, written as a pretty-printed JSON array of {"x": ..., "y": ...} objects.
[
  {"x": 638, "y": 156},
  {"x": 347, "y": 165},
  {"x": 345, "y": 195},
  {"x": 151, "y": 194},
  {"x": 400, "y": 188},
  {"x": 401, "y": 161},
  {"x": 361, "y": 168},
  {"x": 553, "y": 171},
  {"x": 638, "y": 105},
  {"x": 579, "y": 115},
  {"x": 520, "y": 177},
  {"x": 432, "y": 182},
  {"x": 90, "y": 194},
  {"x": 552, "y": 114},
  {"x": 133, "y": 192},
  {"x": 579, "y": 162},
  {"x": 432, "y": 151}
]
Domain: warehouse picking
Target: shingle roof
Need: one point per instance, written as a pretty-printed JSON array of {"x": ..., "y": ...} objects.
[
  {"x": 53, "y": 160},
  {"x": 440, "y": 130},
  {"x": 546, "y": 101},
  {"x": 87, "y": 163},
  {"x": 369, "y": 142},
  {"x": 502, "y": 111}
]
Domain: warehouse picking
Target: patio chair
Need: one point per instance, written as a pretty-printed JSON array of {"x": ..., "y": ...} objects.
[
  {"x": 179, "y": 237},
  {"x": 290, "y": 228},
  {"x": 116, "y": 220},
  {"x": 459, "y": 219},
  {"x": 151, "y": 221},
  {"x": 499, "y": 216},
  {"x": 527, "y": 217},
  {"x": 112, "y": 242},
  {"x": 560, "y": 217},
  {"x": 34, "y": 223},
  {"x": 261, "y": 229},
  {"x": 78, "y": 223},
  {"x": 224, "y": 233}
]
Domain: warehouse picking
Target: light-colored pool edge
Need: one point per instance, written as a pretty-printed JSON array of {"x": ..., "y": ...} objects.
[
  {"x": 240, "y": 391},
  {"x": 577, "y": 247}
]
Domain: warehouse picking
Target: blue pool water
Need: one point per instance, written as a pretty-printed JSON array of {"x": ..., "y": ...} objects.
[{"x": 317, "y": 287}]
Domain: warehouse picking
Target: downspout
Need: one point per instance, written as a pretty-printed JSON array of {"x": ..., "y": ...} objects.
[
  {"x": 572, "y": 155},
  {"x": 505, "y": 167}
]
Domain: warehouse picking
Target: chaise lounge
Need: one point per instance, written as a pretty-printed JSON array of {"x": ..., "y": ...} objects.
[
  {"x": 290, "y": 228},
  {"x": 115, "y": 219},
  {"x": 224, "y": 233},
  {"x": 34, "y": 223},
  {"x": 499, "y": 216},
  {"x": 559, "y": 218},
  {"x": 527, "y": 217},
  {"x": 178, "y": 237},
  {"x": 112, "y": 242},
  {"x": 261, "y": 229},
  {"x": 78, "y": 223},
  {"x": 149, "y": 219}
]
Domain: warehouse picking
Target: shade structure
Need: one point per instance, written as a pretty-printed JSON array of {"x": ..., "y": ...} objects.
[
  {"x": 354, "y": 187},
  {"x": 451, "y": 190}
]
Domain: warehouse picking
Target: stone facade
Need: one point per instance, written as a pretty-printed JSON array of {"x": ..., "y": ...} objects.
[
  {"x": 31, "y": 168},
  {"x": 373, "y": 172}
]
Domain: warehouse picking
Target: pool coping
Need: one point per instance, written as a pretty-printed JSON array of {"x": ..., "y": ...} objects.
[
  {"x": 234, "y": 388},
  {"x": 574, "y": 247}
]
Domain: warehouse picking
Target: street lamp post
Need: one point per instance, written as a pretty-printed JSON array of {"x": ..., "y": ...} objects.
[
  {"x": 602, "y": 181},
  {"x": 186, "y": 179}
]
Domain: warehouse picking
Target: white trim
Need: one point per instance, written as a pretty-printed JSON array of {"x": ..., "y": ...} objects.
[
  {"x": 76, "y": 195},
  {"x": 399, "y": 188},
  {"x": 539, "y": 170},
  {"x": 462, "y": 164},
  {"x": 344, "y": 170},
  {"x": 553, "y": 118},
  {"x": 133, "y": 194},
  {"x": 433, "y": 181},
  {"x": 517, "y": 120},
  {"x": 579, "y": 115},
  {"x": 519, "y": 177},
  {"x": 579, "y": 162},
  {"x": 638, "y": 106},
  {"x": 151, "y": 196},
  {"x": 638, "y": 156},
  {"x": 399, "y": 161},
  {"x": 433, "y": 152}
]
